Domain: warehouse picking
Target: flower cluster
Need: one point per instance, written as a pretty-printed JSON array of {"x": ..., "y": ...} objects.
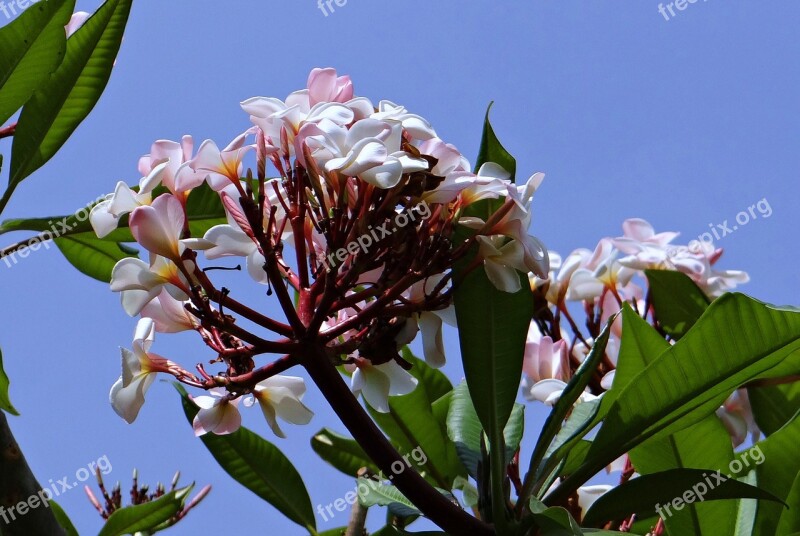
[
  {"x": 602, "y": 281},
  {"x": 327, "y": 168}
]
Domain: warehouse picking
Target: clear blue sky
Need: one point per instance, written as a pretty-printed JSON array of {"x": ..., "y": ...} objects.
[{"x": 683, "y": 122}]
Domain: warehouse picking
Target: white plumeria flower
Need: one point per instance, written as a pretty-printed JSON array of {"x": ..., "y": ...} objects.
[
  {"x": 76, "y": 21},
  {"x": 587, "y": 495},
  {"x": 273, "y": 116},
  {"x": 223, "y": 167},
  {"x": 139, "y": 283},
  {"x": 176, "y": 176},
  {"x": 449, "y": 158},
  {"x": 169, "y": 315},
  {"x": 369, "y": 149},
  {"x": 281, "y": 396},
  {"x": 159, "y": 226},
  {"x": 417, "y": 126},
  {"x": 105, "y": 215},
  {"x": 490, "y": 182},
  {"x": 430, "y": 322},
  {"x": 218, "y": 414},
  {"x": 549, "y": 391},
  {"x": 139, "y": 368},
  {"x": 502, "y": 262},
  {"x": 378, "y": 382}
]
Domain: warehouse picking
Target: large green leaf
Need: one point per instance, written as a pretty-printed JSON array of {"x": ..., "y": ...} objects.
[
  {"x": 54, "y": 112},
  {"x": 777, "y": 466},
  {"x": 411, "y": 425},
  {"x": 493, "y": 326},
  {"x": 143, "y": 517},
  {"x": 677, "y": 300},
  {"x": 33, "y": 46},
  {"x": 259, "y": 466},
  {"x": 92, "y": 256},
  {"x": 464, "y": 429},
  {"x": 5, "y": 401},
  {"x": 774, "y": 406},
  {"x": 705, "y": 445},
  {"x": 737, "y": 340},
  {"x": 341, "y": 452},
  {"x": 647, "y": 494},
  {"x": 789, "y": 522}
]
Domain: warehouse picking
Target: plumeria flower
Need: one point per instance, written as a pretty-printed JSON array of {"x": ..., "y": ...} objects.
[
  {"x": 370, "y": 149},
  {"x": 378, "y": 382},
  {"x": 543, "y": 358},
  {"x": 177, "y": 176},
  {"x": 430, "y": 322},
  {"x": 106, "y": 214},
  {"x": 76, "y": 21},
  {"x": 223, "y": 167},
  {"x": 324, "y": 85},
  {"x": 281, "y": 396},
  {"x": 159, "y": 226},
  {"x": 218, "y": 413},
  {"x": 139, "y": 368},
  {"x": 449, "y": 158},
  {"x": 169, "y": 315},
  {"x": 490, "y": 182},
  {"x": 549, "y": 391},
  {"x": 587, "y": 495},
  {"x": 737, "y": 416},
  {"x": 503, "y": 259},
  {"x": 139, "y": 283},
  {"x": 418, "y": 127},
  {"x": 273, "y": 116}
]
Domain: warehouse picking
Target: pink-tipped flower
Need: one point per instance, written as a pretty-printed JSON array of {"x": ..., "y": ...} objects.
[{"x": 324, "y": 85}]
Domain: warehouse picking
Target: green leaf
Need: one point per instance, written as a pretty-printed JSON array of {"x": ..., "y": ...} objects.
[
  {"x": 413, "y": 428},
  {"x": 343, "y": 453},
  {"x": 747, "y": 509},
  {"x": 554, "y": 521},
  {"x": 54, "y": 112},
  {"x": 491, "y": 150},
  {"x": 92, "y": 256},
  {"x": 789, "y": 522},
  {"x": 737, "y": 340},
  {"x": 777, "y": 466},
  {"x": 5, "y": 401},
  {"x": 63, "y": 519},
  {"x": 705, "y": 445},
  {"x": 643, "y": 495},
  {"x": 391, "y": 530},
  {"x": 259, "y": 466},
  {"x": 143, "y": 517},
  {"x": 566, "y": 402},
  {"x": 334, "y": 532},
  {"x": 774, "y": 406},
  {"x": 372, "y": 493},
  {"x": 464, "y": 429},
  {"x": 677, "y": 300},
  {"x": 33, "y": 46}
]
